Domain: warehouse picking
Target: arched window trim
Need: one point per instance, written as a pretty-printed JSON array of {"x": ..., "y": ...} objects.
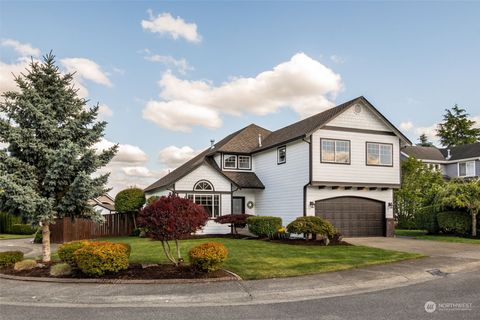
[{"x": 203, "y": 182}]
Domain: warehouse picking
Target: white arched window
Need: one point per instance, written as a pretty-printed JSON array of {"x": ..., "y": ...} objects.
[{"x": 203, "y": 185}]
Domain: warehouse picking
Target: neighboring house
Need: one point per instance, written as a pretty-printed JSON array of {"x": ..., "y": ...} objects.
[
  {"x": 104, "y": 203},
  {"x": 454, "y": 162},
  {"x": 342, "y": 164}
]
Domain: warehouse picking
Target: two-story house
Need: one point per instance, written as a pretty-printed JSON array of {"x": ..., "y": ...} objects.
[
  {"x": 342, "y": 164},
  {"x": 454, "y": 162}
]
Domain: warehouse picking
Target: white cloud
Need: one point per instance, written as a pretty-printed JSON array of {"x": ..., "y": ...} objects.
[
  {"x": 177, "y": 28},
  {"x": 180, "y": 64},
  {"x": 22, "y": 49},
  {"x": 127, "y": 153},
  {"x": 104, "y": 111},
  {"x": 180, "y": 115},
  {"x": 85, "y": 69},
  {"x": 3, "y": 145},
  {"x": 302, "y": 83},
  {"x": 7, "y": 72},
  {"x": 173, "y": 156},
  {"x": 407, "y": 126},
  {"x": 337, "y": 59},
  {"x": 137, "y": 171}
]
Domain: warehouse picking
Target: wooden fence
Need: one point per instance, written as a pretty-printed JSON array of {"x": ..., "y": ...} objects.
[{"x": 115, "y": 225}]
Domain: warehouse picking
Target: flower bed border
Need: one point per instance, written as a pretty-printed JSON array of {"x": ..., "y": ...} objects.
[{"x": 234, "y": 277}]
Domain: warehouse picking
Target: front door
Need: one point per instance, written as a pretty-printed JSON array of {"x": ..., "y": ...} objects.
[{"x": 238, "y": 205}]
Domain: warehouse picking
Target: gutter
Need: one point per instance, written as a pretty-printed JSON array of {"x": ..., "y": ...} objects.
[{"x": 309, "y": 175}]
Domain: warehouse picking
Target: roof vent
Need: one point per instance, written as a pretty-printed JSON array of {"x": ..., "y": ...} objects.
[
  {"x": 259, "y": 139},
  {"x": 449, "y": 154},
  {"x": 212, "y": 143}
]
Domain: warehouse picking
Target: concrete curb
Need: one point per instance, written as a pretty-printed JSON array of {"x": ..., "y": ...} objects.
[{"x": 235, "y": 277}]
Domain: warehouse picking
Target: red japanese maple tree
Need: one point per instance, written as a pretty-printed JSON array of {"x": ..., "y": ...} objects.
[{"x": 171, "y": 218}]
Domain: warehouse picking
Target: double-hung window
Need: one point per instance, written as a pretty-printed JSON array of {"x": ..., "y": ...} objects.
[
  {"x": 466, "y": 169},
  {"x": 335, "y": 151},
  {"x": 379, "y": 154},
  {"x": 244, "y": 162},
  {"x": 230, "y": 161},
  {"x": 211, "y": 203}
]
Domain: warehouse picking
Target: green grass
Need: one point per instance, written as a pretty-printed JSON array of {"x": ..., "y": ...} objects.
[
  {"x": 422, "y": 235},
  {"x": 256, "y": 259},
  {"x": 4, "y": 236}
]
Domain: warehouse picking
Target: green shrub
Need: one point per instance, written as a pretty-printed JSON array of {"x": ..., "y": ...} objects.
[
  {"x": 61, "y": 269},
  {"x": 22, "y": 229},
  {"x": 98, "y": 258},
  {"x": 66, "y": 251},
  {"x": 455, "y": 222},
  {"x": 312, "y": 225},
  {"x": 426, "y": 219},
  {"x": 7, "y": 221},
  {"x": 264, "y": 226},
  {"x": 208, "y": 257},
  {"x": 27, "y": 264},
  {"x": 128, "y": 248},
  {"x": 9, "y": 258}
]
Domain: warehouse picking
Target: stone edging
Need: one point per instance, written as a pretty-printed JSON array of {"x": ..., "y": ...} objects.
[{"x": 235, "y": 277}]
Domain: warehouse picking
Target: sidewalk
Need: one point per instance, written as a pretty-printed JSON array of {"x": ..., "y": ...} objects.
[
  {"x": 323, "y": 285},
  {"x": 26, "y": 245}
]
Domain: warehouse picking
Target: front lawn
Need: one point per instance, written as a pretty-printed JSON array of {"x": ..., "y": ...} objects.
[
  {"x": 422, "y": 235},
  {"x": 4, "y": 236},
  {"x": 256, "y": 259}
]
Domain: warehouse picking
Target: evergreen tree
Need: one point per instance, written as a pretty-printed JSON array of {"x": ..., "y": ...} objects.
[
  {"x": 424, "y": 141},
  {"x": 47, "y": 169},
  {"x": 456, "y": 129}
]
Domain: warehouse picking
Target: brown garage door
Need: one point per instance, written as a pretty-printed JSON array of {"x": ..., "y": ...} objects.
[{"x": 352, "y": 216}]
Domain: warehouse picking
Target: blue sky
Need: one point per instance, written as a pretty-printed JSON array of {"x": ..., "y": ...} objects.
[{"x": 263, "y": 62}]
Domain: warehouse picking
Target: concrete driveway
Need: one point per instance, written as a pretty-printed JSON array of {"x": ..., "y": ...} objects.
[{"x": 427, "y": 247}]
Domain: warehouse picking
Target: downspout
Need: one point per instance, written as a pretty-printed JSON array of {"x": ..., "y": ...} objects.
[{"x": 309, "y": 175}]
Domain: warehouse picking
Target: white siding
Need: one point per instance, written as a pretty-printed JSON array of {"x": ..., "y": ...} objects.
[
  {"x": 283, "y": 194},
  {"x": 157, "y": 192},
  {"x": 357, "y": 171},
  {"x": 314, "y": 194},
  {"x": 220, "y": 183},
  {"x": 366, "y": 119}
]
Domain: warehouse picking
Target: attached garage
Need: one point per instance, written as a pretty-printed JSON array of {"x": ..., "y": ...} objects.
[{"x": 353, "y": 216}]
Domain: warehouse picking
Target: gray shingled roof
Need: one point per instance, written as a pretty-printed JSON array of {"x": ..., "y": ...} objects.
[
  {"x": 425, "y": 153},
  {"x": 466, "y": 151}
]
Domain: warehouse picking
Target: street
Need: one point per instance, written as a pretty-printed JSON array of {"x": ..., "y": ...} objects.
[{"x": 400, "y": 303}]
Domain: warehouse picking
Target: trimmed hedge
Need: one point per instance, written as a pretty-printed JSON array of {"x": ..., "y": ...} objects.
[
  {"x": 67, "y": 250},
  {"x": 7, "y": 221},
  {"x": 426, "y": 219},
  {"x": 312, "y": 225},
  {"x": 20, "y": 228},
  {"x": 455, "y": 222},
  {"x": 9, "y": 258},
  {"x": 208, "y": 257},
  {"x": 264, "y": 226},
  {"x": 98, "y": 258}
]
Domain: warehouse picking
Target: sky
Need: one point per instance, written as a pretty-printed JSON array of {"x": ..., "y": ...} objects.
[{"x": 170, "y": 76}]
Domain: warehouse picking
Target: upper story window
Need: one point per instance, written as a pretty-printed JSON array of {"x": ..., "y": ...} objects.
[
  {"x": 466, "y": 169},
  {"x": 379, "y": 154},
  {"x": 230, "y": 161},
  {"x": 282, "y": 154},
  {"x": 203, "y": 185},
  {"x": 335, "y": 151},
  {"x": 244, "y": 162}
]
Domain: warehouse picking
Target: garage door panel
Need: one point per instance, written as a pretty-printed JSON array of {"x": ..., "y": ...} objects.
[{"x": 352, "y": 216}]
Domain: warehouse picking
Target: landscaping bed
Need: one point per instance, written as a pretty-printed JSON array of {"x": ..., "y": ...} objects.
[{"x": 135, "y": 271}]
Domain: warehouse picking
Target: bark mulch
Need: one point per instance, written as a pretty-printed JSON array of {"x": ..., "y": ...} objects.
[{"x": 134, "y": 272}]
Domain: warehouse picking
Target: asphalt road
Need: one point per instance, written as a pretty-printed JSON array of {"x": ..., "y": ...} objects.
[{"x": 399, "y": 303}]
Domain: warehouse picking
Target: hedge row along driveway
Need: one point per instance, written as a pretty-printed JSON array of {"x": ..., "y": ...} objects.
[{"x": 257, "y": 259}]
